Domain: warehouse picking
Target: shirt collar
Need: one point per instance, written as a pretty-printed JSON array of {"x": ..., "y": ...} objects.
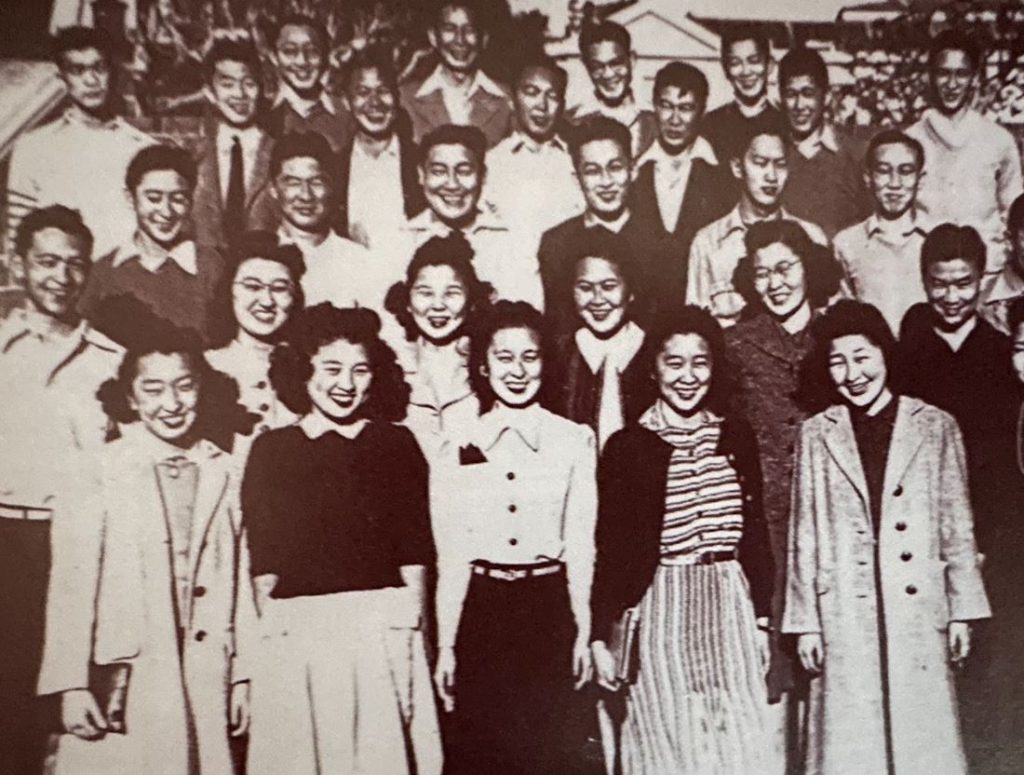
[
  {"x": 1006, "y": 286},
  {"x": 875, "y": 225},
  {"x": 618, "y": 350},
  {"x": 390, "y": 149},
  {"x": 154, "y": 450},
  {"x": 301, "y": 105},
  {"x": 487, "y": 219},
  {"x": 590, "y": 221},
  {"x": 520, "y": 141},
  {"x": 75, "y": 115},
  {"x": 436, "y": 82},
  {"x": 27, "y": 322},
  {"x": 755, "y": 110},
  {"x": 501, "y": 419},
  {"x": 734, "y": 220},
  {"x": 825, "y": 138},
  {"x": 183, "y": 254},
  {"x": 659, "y": 417},
  {"x": 699, "y": 149},
  {"x": 248, "y": 136},
  {"x": 315, "y": 425}
]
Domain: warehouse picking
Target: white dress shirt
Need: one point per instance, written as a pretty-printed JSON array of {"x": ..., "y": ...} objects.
[
  {"x": 458, "y": 99},
  {"x": 338, "y": 270},
  {"x": 250, "y": 141},
  {"x": 671, "y": 175},
  {"x": 376, "y": 200}
]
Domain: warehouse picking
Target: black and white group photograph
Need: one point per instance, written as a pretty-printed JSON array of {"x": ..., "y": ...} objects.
[{"x": 511, "y": 387}]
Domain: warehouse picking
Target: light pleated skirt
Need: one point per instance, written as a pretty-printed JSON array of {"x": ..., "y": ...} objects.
[
  {"x": 699, "y": 705},
  {"x": 341, "y": 685}
]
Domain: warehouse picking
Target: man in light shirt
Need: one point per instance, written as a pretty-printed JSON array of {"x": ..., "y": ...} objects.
[
  {"x": 79, "y": 159},
  {"x": 233, "y": 151},
  {"x": 300, "y": 53},
  {"x": 999, "y": 291},
  {"x": 530, "y": 177},
  {"x": 762, "y": 171},
  {"x": 338, "y": 270},
  {"x": 974, "y": 168},
  {"x": 880, "y": 255},
  {"x": 458, "y": 91},
  {"x": 378, "y": 182},
  {"x": 607, "y": 52},
  {"x": 680, "y": 187}
]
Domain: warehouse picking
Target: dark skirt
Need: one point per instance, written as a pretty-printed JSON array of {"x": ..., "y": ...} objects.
[{"x": 515, "y": 707}]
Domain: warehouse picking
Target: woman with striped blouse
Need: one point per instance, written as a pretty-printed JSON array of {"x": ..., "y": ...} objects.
[{"x": 681, "y": 538}]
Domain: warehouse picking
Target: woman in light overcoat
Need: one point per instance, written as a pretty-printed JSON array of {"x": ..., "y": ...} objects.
[{"x": 883, "y": 574}]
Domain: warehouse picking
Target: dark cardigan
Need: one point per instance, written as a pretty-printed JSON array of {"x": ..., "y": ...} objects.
[{"x": 632, "y": 476}]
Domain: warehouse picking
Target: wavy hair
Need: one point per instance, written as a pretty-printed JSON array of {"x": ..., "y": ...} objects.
[{"x": 503, "y": 315}]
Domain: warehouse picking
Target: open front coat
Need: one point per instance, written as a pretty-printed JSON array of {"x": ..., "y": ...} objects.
[{"x": 927, "y": 576}]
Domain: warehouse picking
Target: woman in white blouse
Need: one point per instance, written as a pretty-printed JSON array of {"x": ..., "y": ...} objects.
[
  {"x": 514, "y": 509},
  {"x": 435, "y": 305}
]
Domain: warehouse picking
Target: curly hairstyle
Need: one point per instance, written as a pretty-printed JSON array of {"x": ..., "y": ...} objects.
[
  {"x": 502, "y": 315},
  {"x": 846, "y": 317},
  {"x": 613, "y": 248},
  {"x": 822, "y": 271},
  {"x": 291, "y": 363},
  {"x": 453, "y": 251},
  {"x": 695, "y": 320},
  {"x": 53, "y": 217}
]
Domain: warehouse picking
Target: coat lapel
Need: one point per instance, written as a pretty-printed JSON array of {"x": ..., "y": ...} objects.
[
  {"x": 485, "y": 106},
  {"x": 210, "y": 492},
  {"x": 907, "y": 439},
  {"x": 842, "y": 445},
  {"x": 261, "y": 169}
]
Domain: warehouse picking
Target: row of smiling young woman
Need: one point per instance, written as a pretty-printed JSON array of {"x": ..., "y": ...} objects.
[{"x": 714, "y": 491}]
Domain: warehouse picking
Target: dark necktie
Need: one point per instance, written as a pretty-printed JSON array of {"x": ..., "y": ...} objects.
[{"x": 234, "y": 202}]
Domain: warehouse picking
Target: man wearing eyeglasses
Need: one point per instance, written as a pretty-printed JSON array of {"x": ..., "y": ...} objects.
[
  {"x": 79, "y": 159},
  {"x": 880, "y": 254}
]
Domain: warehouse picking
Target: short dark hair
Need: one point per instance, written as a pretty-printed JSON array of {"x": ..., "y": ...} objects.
[
  {"x": 733, "y": 35},
  {"x": 291, "y": 362},
  {"x": 894, "y": 137},
  {"x": 1015, "y": 217},
  {"x": 376, "y": 57},
  {"x": 304, "y": 20},
  {"x": 80, "y": 38},
  {"x": 686, "y": 78},
  {"x": 844, "y": 318},
  {"x": 947, "y": 242},
  {"x": 453, "y": 251},
  {"x": 232, "y": 50},
  {"x": 602, "y": 32},
  {"x": 822, "y": 272},
  {"x": 469, "y": 137},
  {"x": 301, "y": 145},
  {"x": 598, "y": 127},
  {"x": 546, "y": 63},
  {"x": 695, "y": 320},
  {"x": 499, "y": 317},
  {"x": 470, "y": 6},
  {"x": 773, "y": 125},
  {"x": 803, "y": 61},
  {"x": 955, "y": 40},
  {"x": 53, "y": 217},
  {"x": 613, "y": 248},
  {"x": 160, "y": 157},
  {"x": 1015, "y": 315}
]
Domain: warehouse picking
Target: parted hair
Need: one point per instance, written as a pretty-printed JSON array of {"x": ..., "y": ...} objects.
[
  {"x": 598, "y": 127},
  {"x": 311, "y": 145},
  {"x": 160, "y": 157},
  {"x": 79, "y": 38},
  {"x": 291, "y": 363},
  {"x": 684, "y": 77},
  {"x": 613, "y": 248},
  {"x": 803, "y": 61},
  {"x": 499, "y": 317},
  {"x": 733, "y": 35},
  {"x": 453, "y": 251},
  {"x": 376, "y": 57},
  {"x": 947, "y": 242},
  {"x": 469, "y": 137},
  {"x": 592, "y": 34},
  {"x": 822, "y": 271},
  {"x": 53, "y": 217},
  {"x": 893, "y": 137},
  {"x": 309, "y": 22},
  {"x": 230, "y": 49}
]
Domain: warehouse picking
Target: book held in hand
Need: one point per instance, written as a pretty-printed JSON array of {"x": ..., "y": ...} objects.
[
  {"x": 623, "y": 646},
  {"x": 109, "y": 687}
]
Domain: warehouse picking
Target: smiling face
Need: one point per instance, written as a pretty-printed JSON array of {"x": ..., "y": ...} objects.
[
  {"x": 780, "y": 279},
  {"x": 603, "y": 172},
  {"x": 611, "y": 70},
  {"x": 803, "y": 100},
  {"x": 303, "y": 190},
  {"x": 600, "y": 295},
  {"x": 53, "y": 272},
  {"x": 746, "y": 67},
  {"x": 677, "y": 114},
  {"x": 341, "y": 380},
  {"x": 857, "y": 368},
  {"x": 763, "y": 170},
  {"x": 451, "y": 180},
  {"x": 683, "y": 371},
  {"x": 538, "y": 103},
  {"x": 953, "y": 291},
  {"x": 893, "y": 178},
  {"x": 234, "y": 92},
  {"x": 262, "y": 296},
  {"x": 457, "y": 39},
  {"x": 952, "y": 79},
  {"x": 87, "y": 76},
  {"x": 165, "y": 394},
  {"x": 372, "y": 102},
  {"x": 300, "y": 57},
  {"x": 163, "y": 203},
  {"x": 514, "y": 365},
  {"x": 437, "y": 302}
]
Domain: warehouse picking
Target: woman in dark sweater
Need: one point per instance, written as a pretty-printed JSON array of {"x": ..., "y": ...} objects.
[
  {"x": 336, "y": 512},
  {"x": 681, "y": 539}
]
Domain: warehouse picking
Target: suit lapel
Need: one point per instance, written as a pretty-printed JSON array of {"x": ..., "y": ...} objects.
[
  {"x": 768, "y": 339},
  {"x": 485, "y": 107},
  {"x": 842, "y": 445},
  {"x": 907, "y": 439},
  {"x": 261, "y": 169},
  {"x": 431, "y": 109}
]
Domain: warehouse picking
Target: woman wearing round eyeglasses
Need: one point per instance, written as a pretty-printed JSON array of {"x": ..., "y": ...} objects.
[
  {"x": 883, "y": 577},
  {"x": 265, "y": 293},
  {"x": 785, "y": 279}
]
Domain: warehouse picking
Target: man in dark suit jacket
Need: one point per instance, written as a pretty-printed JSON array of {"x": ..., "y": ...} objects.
[
  {"x": 680, "y": 186},
  {"x": 457, "y": 91},
  {"x": 600, "y": 152},
  {"x": 378, "y": 183},
  {"x": 232, "y": 152}
]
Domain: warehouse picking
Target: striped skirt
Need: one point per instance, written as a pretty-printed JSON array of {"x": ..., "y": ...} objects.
[{"x": 699, "y": 704}]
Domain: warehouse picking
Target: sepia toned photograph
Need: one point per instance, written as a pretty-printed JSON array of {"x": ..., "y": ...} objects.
[{"x": 511, "y": 387}]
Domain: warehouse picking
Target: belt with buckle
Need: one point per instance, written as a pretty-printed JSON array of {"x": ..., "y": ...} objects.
[
  {"x": 28, "y": 513},
  {"x": 516, "y": 572},
  {"x": 705, "y": 558}
]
